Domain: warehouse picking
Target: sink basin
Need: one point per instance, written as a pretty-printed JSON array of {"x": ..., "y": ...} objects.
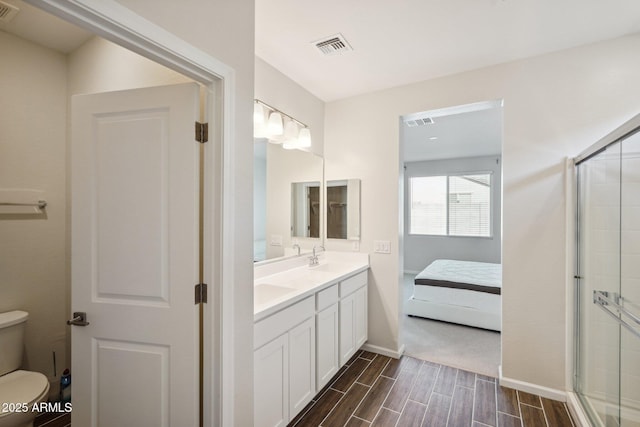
[
  {"x": 331, "y": 267},
  {"x": 266, "y": 292}
]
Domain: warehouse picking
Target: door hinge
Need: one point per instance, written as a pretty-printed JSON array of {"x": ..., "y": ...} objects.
[
  {"x": 202, "y": 132},
  {"x": 201, "y": 293}
]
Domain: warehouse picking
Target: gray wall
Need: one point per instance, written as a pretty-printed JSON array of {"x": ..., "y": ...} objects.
[{"x": 421, "y": 250}]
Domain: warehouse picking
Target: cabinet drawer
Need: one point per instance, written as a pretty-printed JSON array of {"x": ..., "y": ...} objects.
[
  {"x": 349, "y": 285},
  {"x": 327, "y": 297},
  {"x": 277, "y": 324}
]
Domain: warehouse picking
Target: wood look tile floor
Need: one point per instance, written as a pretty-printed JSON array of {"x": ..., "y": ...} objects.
[
  {"x": 53, "y": 419},
  {"x": 375, "y": 390}
]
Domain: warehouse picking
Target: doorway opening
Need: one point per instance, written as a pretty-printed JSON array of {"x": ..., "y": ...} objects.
[
  {"x": 451, "y": 304},
  {"x": 169, "y": 61}
]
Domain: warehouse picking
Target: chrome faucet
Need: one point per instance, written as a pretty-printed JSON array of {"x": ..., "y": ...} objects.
[
  {"x": 313, "y": 259},
  {"x": 297, "y": 246}
]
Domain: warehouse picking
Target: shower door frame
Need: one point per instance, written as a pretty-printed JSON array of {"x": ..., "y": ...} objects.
[{"x": 628, "y": 129}]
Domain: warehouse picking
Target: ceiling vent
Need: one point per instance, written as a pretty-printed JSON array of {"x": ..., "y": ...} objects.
[
  {"x": 7, "y": 12},
  {"x": 333, "y": 44},
  {"x": 419, "y": 122}
]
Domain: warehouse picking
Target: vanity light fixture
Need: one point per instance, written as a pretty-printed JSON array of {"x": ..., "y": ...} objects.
[
  {"x": 290, "y": 131},
  {"x": 258, "y": 114},
  {"x": 274, "y": 126},
  {"x": 259, "y": 121},
  {"x": 304, "y": 138},
  {"x": 302, "y": 141},
  {"x": 280, "y": 127}
]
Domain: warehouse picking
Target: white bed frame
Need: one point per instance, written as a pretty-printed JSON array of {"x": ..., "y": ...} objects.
[
  {"x": 455, "y": 313},
  {"x": 455, "y": 305}
]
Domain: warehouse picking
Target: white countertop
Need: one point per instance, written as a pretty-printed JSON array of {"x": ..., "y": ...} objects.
[{"x": 282, "y": 283}]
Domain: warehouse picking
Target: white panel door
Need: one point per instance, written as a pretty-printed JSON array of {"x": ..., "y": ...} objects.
[{"x": 135, "y": 257}]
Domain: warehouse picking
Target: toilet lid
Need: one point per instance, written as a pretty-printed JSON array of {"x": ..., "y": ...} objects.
[{"x": 22, "y": 387}]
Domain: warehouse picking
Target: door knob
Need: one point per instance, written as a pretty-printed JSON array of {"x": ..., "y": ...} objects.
[{"x": 79, "y": 319}]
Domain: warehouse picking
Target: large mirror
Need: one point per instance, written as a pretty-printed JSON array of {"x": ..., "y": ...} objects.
[
  {"x": 288, "y": 203},
  {"x": 343, "y": 209}
]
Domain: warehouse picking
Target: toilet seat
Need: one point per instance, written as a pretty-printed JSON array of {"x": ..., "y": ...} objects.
[{"x": 23, "y": 387}]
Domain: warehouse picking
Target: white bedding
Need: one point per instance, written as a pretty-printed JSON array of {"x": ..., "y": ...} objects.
[{"x": 471, "y": 272}]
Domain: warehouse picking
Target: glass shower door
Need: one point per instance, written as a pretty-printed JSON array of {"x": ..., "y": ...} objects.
[
  {"x": 630, "y": 283},
  {"x": 607, "y": 375},
  {"x": 597, "y": 380}
]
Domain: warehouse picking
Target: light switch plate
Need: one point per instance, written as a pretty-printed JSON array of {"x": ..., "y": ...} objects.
[
  {"x": 276, "y": 240},
  {"x": 382, "y": 246}
]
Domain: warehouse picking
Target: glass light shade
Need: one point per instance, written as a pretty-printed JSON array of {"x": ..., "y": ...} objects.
[
  {"x": 274, "y": 126},
  {"x": 304, "y": 138},
  {"x": 291, "y": 131},
  {"x": 258, "y": 115},
  {"x": 259, "y": 122}
]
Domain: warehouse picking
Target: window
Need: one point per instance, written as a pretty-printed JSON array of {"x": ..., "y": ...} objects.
[{"x": 452, "y": 205}]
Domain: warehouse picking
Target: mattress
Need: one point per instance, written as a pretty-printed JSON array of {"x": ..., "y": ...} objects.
[{"x": 464, "y": 275}]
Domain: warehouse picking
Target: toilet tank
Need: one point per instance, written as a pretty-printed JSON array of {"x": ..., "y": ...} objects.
[{"x": 12, "y": 325}]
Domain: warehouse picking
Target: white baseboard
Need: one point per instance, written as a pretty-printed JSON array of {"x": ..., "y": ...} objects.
[
  {"x": 396, "y": 354},
  {"x": 549, "y": 393},
  {"x": 577, "y": 413},
  {"x": 411, "y": 271}
]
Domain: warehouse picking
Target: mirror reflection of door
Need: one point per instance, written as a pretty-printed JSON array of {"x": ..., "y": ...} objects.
[
  {"x": 313, "y": 197},
  {"x": 337, "y": 212},
  {"x": 305, "y": 209}
]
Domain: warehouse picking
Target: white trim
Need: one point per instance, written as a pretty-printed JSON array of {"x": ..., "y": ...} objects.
[
  {"x": 623, "y": 131},
  {"x": 576, "y": 410},
  {"x": 396, "y": 354},
  {"x": 549, "y": 393},
  {"x": 111, "y": 20},
  {"x": 411, "y": 272},
  {"x": 570, "y": 264},
  {"x": 122, "y": 26}
]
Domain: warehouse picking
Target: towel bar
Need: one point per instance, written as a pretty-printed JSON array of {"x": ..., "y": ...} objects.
[
  {"x": 41, "y": 204},
  {"x": 605, "y": 299}
]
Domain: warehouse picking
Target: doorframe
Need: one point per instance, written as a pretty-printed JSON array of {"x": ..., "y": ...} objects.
[
  {"x": 116, "y": 23},
  {"x": 464, "y": 107}
]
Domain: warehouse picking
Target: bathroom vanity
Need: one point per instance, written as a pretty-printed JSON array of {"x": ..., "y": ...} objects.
[{"x": 308, "y": 322}]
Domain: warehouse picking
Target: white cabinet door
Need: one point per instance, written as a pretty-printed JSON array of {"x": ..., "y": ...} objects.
[
  {"x": 361, "y": 317},
  {"x": 353, "y": 323},
  {"x": 271, "y": 383},
  {"x": 302, "y": 365},
  {"x": 347, "y": 328},
  {"x": 328, "y": 360}
]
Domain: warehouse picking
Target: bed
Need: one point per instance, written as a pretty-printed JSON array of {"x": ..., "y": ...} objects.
[{"x": 464, "y": 292}]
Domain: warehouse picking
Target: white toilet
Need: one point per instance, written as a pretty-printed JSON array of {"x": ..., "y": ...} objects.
[{"x": 18, "y": 389}]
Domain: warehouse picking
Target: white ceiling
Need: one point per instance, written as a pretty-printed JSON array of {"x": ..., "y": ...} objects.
[
  {"x": 400, "y": 42},
  {"x": 43, "y": 28},
  {"x": 467, "y": 134},
  {"x": 394, "y": 42},
  {"x": 404, "y": 41}
]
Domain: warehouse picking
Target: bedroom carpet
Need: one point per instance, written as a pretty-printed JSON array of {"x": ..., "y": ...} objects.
[{"x": 463, "y": 347}]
